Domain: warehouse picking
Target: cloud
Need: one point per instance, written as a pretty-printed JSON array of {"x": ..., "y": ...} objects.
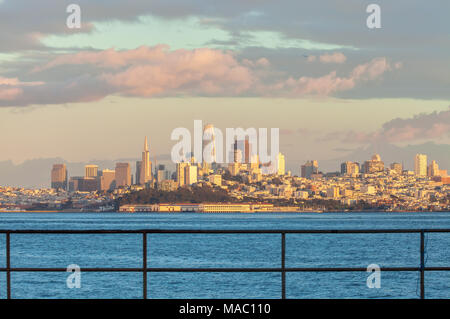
[
  {"x": 424, "y": 126},
  {"x": 269, "y": 28},
  {"x": 336, "y": 57},
  {"x": 262, "y": 62},
  {"x": 158, "y": 72},
  {"x": 9, "y": 94},
  {"x": 187, "y": 72},
  {"x": 331, "y": 83},
  {"x": 142, "y": 72},
  {"x": 110, "y": 58},
  {"x": 11, "y": 88}
]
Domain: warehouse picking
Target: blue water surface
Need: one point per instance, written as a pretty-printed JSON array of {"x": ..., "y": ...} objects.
[{"x": 224, "y": 251}]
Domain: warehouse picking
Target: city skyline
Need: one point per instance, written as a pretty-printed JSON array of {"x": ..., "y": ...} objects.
[
  {"x": 188, "y": 171},
  {"x": 240, "y": 186},
  {"x": 32, "y": 174}
]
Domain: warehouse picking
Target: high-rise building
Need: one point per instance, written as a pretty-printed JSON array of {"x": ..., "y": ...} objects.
[
  {"x": 89, "y": 184},
  {"x": 138, "y": 172},
  {"x": 374, "y": 165},
  {"x": 181, "y": 173},
  {"x": 310, "y": 168},
  {"x": 238, "y": 156},
  {"x": 397, "y": 167},
  {"x": 108, "y": 180},
  {"x": 237, "y": 153},
  {"x": 254, "y": 163},
  {"x": 204, "y": 169},
  {"x": 247, "y": 151},
  {"x": 123, "y": 174},
  {"x": 281, "y": 164},
  {"x": 433, "y": 169},
  {"x": 209, "y": 144},
  {"x": 350, "y": 168},
  {"x": 91, "y": 171},
  {"x": 74, "y": 183},
  {"x": 161, "y": 173},
  {"x": 59, "y": 176},
  {"x": 145, "y": 175},
  {"x": 420, "y": 165},
  {"x": 234, "y": 168},
  {"x": 190, "y": 174}
]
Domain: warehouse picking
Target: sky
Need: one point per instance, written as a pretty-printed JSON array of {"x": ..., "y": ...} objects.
[{"x": 135, "y": 68}]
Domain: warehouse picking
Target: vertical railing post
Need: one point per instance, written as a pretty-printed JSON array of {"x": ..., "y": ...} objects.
[
  {"x": 8, "y": 265},
  {"x": 283, "y": 265},
  {"x": 144, "y": 265},
  {"x": 422, "y": 264}
]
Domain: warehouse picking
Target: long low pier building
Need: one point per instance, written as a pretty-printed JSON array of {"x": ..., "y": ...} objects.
[{"x": 201, "y": 208}]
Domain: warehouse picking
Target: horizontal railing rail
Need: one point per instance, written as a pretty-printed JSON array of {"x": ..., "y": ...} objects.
[{"x": 282, "y": 269}]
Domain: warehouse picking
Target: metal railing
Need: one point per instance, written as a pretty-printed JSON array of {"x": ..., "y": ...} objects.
[{"x": 282, "y": 269}]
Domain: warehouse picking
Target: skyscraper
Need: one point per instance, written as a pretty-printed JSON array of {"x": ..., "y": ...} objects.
[
  {"x": 433, "y": 169},
  {"x": 107, "y": 180},
  {"x": 254, "y": 163},
  {"x": 59, "y": 176},
  {"x": 74, "y": 183},
  {"x": 247, "y": 151},
  {"x": 310, "y": 168},
  {"x": 374, "y": 165},
  {"x": 397, "y": 167},
  {"x": 420, "y": 165},
  {"x": 145, "y": 175},
  {"x": 181, "y": 173},
  {"x": 237, "y": 153},
  {"x": 89, "y": 184},
  {"x": 209, "y": 144},
  {"x": 91, "y": 171},
  {"x": 349, "y": 168},
  {"x": 281, "y": 164},
  {"x": 190, "y": 174},
  {"x": 160, "y": 173},
  {"x": 123, "y": 174},
  {"x": 138, "y": 172}
]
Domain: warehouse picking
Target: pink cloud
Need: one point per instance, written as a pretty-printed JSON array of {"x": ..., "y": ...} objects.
[
  {"x": 371, "y": 70},
  {"x": 262, "y": 62},
  {"x": 109, "y": 58},
  {"x": 9, "y": 94},
  {"x": 336, "y": 57},
  {"x": 11, "y": 88},
  {"x": 159, "y": 71},
  {"x": 331, "y": 83},
  {"x": 420, "y": 127},
  {"x": 149, "y": 71},
  {"x": 201, "y": 71}
]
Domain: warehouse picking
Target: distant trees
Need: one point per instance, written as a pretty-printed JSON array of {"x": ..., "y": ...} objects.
[
  {"x": 181, "y": 195},
  {"x": 276, "y": 181},
  {"x": 228, "y": 177}
]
